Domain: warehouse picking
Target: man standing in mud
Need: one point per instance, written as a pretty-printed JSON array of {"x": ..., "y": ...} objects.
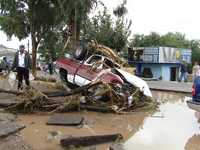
[{"x": 22, "y": 64}]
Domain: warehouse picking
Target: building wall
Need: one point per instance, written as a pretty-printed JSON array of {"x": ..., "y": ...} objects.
[
  {"x": 155, "y": 68},
  {"x": 161, "y": 70},
  {"x": 165, "y": 72}
]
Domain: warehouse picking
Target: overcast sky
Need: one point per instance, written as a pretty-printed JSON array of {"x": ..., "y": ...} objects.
[{"x": 161, "y": 16}]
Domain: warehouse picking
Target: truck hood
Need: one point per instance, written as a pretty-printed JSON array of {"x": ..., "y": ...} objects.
[{"x": 136, "y": 81}]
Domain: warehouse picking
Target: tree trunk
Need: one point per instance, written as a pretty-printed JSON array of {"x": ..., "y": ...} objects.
[
  {"x": 78, "y": 28},
  {"x": 75, "y": 29},
  {"x": 34, "y": 54}
]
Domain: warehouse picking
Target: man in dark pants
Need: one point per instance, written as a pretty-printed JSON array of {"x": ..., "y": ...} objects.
[
  {"x": 183, "y": 70},
  {"x": 22, "y": 63}
]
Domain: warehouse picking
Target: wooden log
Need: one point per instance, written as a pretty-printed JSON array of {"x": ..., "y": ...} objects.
[
  {"x": 89, "y": 140},
  {"x": 63, "y": 120}
]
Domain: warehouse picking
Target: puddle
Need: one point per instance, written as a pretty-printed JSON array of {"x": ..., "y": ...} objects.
[{"x": 174, "y": 127}]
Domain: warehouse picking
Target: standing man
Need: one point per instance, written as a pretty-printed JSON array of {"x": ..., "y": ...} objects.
[
  {"x": 195, "y": 70},
  {"x": 22, "y": 63},
  {"x": 183, "y": 70}
]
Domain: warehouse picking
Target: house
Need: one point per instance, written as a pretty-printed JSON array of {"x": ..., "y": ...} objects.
[
  {"x": 7, "y": 52},
  {"x": 159, "y": 62}
]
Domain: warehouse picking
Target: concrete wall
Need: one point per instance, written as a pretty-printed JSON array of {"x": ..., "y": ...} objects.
[{"x": 161, "y": 70}]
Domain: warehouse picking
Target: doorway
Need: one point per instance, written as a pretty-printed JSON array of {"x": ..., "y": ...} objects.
[{"x": 173, "y": 74}]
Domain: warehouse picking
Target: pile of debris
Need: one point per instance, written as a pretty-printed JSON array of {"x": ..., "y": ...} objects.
[{"x": 96, "y": 96}]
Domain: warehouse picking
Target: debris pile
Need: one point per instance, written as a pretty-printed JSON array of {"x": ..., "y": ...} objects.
[
  {"x": 106, "y": 51},
  {"x": 96, "y": 96}
]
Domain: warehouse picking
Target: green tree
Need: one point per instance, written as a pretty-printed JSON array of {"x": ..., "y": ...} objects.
[
  {"x": 177, "y": 40},
  {"x": 75, "y": 12},
  {"x": 28, "y": 17},
  {"x": 195, "y": 46},
  {"x": 106, "y": 30},
  {"x": 51, "y": 45}
]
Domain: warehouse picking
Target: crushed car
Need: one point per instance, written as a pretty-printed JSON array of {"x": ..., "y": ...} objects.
[{"x": 79, "y": 71}]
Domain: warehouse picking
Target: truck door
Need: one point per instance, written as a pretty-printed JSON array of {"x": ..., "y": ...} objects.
[{"x": 87, "y": 72}]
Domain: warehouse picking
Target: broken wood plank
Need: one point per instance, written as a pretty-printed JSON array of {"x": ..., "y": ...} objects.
[
  {"x": 7, "y": 128},
  {"x": 89, "y": 140},
  {"x": 64, "y": 120},
  {"x": 95, "y": 108},
  {"x": 55, "y": 93},
  {"x": 7, "y": 102}
]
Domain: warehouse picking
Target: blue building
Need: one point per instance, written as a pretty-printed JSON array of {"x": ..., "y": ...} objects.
[{"x": 159, "y": 62}]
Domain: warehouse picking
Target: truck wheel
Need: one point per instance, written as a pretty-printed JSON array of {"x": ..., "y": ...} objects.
[{"x": 80, "y": 52}]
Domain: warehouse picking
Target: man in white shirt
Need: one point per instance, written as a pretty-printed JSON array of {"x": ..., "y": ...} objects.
[{"x": 22, "y": 62}]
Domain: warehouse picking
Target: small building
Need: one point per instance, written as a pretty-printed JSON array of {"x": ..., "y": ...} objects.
[
  {"x": 159, "y": 62},
  {"x": 7, "y": 52}
]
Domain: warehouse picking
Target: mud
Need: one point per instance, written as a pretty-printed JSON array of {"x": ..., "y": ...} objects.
[
  {"x": 38, "y": 134},
  {"x": 174, "y": 126}
]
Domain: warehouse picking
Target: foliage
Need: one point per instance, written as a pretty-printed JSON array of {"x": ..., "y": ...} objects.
[
  {"x": 103, "y": 28},
  {"x": 177, "y": 40},
  {"x": 51, "y": 45},
  {"x": 28, "y": 17},
  {"x": 74, "y": 13},
  {"x": 121, "y": 10},
  {"x": 39, "y": 18}
]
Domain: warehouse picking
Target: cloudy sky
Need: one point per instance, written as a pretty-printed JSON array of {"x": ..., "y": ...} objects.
[{"x": 161, "y": 16}]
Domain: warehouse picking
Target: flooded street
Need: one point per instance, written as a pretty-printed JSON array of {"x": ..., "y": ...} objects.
[{"x": 174, "y": 126}]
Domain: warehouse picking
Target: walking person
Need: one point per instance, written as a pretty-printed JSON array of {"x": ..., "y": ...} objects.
[
  {"x": 50, "y": 66},
  {"x": 195, "y": 70},
  {"x": 183, "y": 70},
  {"x": 22, "y": 63}
]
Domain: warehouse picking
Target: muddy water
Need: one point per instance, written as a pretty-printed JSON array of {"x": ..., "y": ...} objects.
[
  {"x": 173, "y": 127},
  {"x": 37, "y": 133}
]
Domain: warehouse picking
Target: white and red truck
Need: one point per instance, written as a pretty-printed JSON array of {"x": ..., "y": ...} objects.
[{"x": 97, "y": 67}]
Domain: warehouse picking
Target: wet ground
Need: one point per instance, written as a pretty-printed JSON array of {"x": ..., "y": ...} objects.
[{"x": 173, "y": 127}]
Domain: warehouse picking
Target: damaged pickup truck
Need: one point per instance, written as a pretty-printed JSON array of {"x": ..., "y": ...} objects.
[{"x": 99, "y": 68}]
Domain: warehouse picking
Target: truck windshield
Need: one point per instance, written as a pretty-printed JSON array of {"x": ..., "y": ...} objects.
[{"x": 94, "y": 59}]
